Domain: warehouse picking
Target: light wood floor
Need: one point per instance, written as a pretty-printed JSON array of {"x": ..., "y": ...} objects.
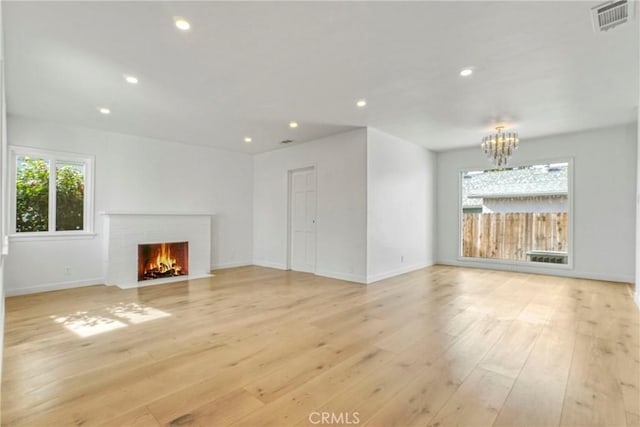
[{"x": 254, "y": 346}]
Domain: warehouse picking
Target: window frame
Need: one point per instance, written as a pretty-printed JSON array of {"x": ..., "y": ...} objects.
[
  {"x": 53, "y": 157},
  {"x": 533, "y": 265}
]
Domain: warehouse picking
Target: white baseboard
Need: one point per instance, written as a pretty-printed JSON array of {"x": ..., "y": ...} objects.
[
  {"x": 603, "y": 277},
  {"x": 538, "y": 270},
  {"x": 637, "y": 298},
  {"x": 230, "y": 265},
  {"x": 398, "y": 271},
  {"x": 270, "y": 264},
  {"x": 324, "y": 273},
  {"x": 349, "y": 277},
  {"x": 144, "y": 283},
  {"x": 54, "y": 287}
]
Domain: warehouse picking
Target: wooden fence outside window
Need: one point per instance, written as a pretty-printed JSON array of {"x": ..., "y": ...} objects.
[{"x": 512, "y": 235}]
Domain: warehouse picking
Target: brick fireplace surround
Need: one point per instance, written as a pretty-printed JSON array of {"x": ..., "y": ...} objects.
[{"x": 125, "y": 231}]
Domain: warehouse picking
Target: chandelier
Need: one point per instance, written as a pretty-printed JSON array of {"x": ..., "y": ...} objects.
[{"x": 499, "y": 146}]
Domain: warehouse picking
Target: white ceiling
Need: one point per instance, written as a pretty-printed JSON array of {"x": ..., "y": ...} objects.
[{"x": 248, "y": 68}]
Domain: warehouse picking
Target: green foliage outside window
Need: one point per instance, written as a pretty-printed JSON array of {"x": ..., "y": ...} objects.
[
  {"x": 69, "y": 197},
  {"x": 32, "y": 195}
]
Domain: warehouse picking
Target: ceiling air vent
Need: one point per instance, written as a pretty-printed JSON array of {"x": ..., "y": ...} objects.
[{"x": 609, "y": 14}]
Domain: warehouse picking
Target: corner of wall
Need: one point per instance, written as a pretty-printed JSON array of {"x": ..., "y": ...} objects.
[
  {"x": 397, "y": 272},
  {"x": 637, "y": 275},
  {"x": 3, "y": 160},
  {"x": 367, "y": 251},
  {"x": 393, "y": 166}
]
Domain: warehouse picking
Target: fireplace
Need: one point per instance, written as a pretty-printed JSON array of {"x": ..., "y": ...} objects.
[{"x": 162, "y": 260}]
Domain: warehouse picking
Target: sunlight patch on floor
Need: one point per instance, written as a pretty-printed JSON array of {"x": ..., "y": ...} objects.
[
  {"x": 121, "y": 315},
  {"x": 136, "y": 313},
  {"x": 85, "y": 325}
]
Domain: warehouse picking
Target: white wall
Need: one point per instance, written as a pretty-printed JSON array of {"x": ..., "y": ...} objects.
[
  {"x": 604, "y": 193},
  {"x": 3, "y": 168},
  {"x": 340, "y": 162},
  {"x": 637, "y": 281},
  {"x": 637, "y": 200},
  {"x": 134, "y": 174},
  {"x": 400, "y": 206}
]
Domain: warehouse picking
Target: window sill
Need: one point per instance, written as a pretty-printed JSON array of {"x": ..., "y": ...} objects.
[
  {"x": 517, "y": 263},
  {"x": 32, "y": 237}
]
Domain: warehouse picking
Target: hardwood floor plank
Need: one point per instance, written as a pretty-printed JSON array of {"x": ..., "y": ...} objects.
[
  {"x": 476, "y": 402},
  {"x": 426, "y": 393},
  {"x": 297, "y": 405},
  {"x": 295, "y": 373},
  {"x": 633, "y": 420},
  {"x": 140, "y": 417},
  {"x": 628, "y": 374},
  {"x": 254, "y": 346},
  {"x": 537, "y": 395},
  {"x": 366, "y": 396},
  {"x": 594, "y": 394},
  {"x": 222, "y": 411},
  {"x": 509, "y": 354}
]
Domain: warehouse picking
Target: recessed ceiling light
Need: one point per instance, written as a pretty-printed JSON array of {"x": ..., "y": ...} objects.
[
  {"x": 131, "y": 79},
  {"x": 293, "y": 124},
  {"x": 247, "y": 139},
  {"x": 183, "y": 24},
  {"x": 104, "y": 110},
  {"x": 466, "y": 72},
  {"x": 361, "y": 103}
]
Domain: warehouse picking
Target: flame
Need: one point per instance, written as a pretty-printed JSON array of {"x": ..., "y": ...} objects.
[{"x": 164, "y": 261}]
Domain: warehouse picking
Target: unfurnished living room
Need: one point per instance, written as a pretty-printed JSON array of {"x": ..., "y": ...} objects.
[{"x": 363, "y": 213}]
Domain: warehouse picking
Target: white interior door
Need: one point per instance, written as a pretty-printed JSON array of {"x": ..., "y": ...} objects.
[{"x": 302, "y": 220}]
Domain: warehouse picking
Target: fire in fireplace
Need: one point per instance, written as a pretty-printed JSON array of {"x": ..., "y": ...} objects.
[{"x": 161, "y": 260}]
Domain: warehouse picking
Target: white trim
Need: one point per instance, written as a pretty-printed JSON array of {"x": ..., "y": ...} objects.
[
  {"x": 349, "y": 277},
  {"x": 637, "y": 299},
  {"x": 54, "y": 286},
  {"x": 124, "y": 213},
  {"x": 490, "y": 262},
  {"x": 532, "y": 268},
  {"x": 399, "y": 271},
  {"x": 514, "y": 195},
  {"x": 230, "y": 265},
  {"x": 53, "y": 156},
  {"x": 517, "y": 265},
  {"x": 270, "y": 264},
  {"x": 143, "y": 283},
  {"x": 53, "y": 192},
  {"x": 290, "y": 172},
  {"x": 45, "y": 235}
]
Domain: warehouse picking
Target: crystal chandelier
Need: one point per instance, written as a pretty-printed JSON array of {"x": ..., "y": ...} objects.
[{"x": 499, "y": 146}]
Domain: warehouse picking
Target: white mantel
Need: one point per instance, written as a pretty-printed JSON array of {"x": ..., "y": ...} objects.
[{"x": 124, "y": 231}]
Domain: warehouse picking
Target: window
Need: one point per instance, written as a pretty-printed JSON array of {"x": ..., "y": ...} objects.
[
  {"x": 52, "y": 193},
  {"x": 517, "y": 214}
]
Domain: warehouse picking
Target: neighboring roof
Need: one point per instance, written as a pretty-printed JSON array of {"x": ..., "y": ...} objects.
[{"x": 531, "y": 181}]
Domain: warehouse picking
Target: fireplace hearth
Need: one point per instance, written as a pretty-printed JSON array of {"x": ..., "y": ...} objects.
[{"x": 162, "y": 260}]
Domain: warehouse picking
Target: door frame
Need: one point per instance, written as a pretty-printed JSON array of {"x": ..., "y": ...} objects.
[{"x": 289, "y": 236}]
